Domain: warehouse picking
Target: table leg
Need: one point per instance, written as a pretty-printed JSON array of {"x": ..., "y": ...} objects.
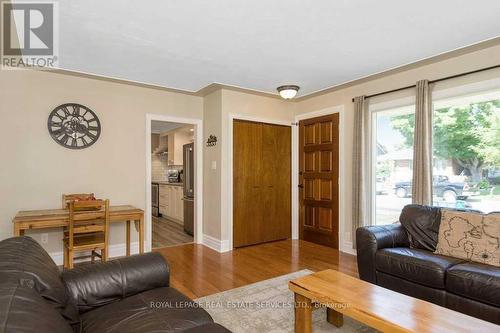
[
  {"x": 335, "y": 318},
  {"x": 128, "y": 237},
  {"x": 141, "y": 235},
  {"x": 303, "y": 314}
]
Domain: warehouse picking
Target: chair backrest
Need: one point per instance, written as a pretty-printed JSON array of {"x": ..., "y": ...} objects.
[
  {"x": 66, "y": 198},
  {"x": 88, "y": 216}
]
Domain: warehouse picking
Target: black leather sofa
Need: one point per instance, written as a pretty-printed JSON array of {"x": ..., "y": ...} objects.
[
  {"x": 125, "y": 295},
  {"x": 400, "y": 257}
]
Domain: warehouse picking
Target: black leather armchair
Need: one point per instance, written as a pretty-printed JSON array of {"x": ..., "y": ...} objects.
[
  {"x": 403, "y": 261},
  {"x": 126, "y": 295}
]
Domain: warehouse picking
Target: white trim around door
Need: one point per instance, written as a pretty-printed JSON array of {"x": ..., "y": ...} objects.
[
  {"x": 229, "y": 189},
  {"x": 344, "y": 245},
  {"x": 198, "y": 182}
]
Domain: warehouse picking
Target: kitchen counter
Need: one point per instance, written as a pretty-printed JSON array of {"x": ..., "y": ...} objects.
[{"x": 161, "y": 182}]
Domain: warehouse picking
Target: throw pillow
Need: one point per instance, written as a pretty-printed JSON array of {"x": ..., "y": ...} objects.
[{"x": 470, "y": 236}]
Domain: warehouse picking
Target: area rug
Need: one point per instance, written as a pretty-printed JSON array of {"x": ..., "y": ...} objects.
[{"x": 267, "y": 306}]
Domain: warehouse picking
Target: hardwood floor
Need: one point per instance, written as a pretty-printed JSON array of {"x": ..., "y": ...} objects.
[
  {"x": 197, "y": 270},
  {"x": 167, "y": 233}
]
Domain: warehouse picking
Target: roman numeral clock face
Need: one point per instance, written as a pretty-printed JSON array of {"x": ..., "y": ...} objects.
[{"x": 74, "y": 126}]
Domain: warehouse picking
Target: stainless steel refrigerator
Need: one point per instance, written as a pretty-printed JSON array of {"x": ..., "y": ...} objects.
[{"x": 188, "y": 188}]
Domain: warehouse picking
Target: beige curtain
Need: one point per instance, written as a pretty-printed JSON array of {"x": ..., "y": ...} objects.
[
  {"x": 422, "y": 148},
  {"x": 360, "y": 163}
]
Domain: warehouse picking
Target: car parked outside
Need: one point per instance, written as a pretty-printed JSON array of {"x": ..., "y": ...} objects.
[{"x": 442, "y": 187}]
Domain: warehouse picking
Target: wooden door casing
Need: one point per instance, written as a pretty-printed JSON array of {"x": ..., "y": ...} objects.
[
  {"x": 318, "y": 180},
  {"x": 261, "y": 183}
]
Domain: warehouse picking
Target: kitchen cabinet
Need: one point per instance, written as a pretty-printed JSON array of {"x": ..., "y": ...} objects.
[
  {"x": 171, "y": 204},
  {"x": 175, "y": 141},
  {"x": 163, "y": 200},
  {"x": 155, "y": 142}
]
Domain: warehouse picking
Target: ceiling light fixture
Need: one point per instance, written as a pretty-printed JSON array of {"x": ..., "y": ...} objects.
[{"x": 289, "y": 91}]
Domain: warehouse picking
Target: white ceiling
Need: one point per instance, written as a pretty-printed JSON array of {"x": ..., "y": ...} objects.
[{"x": 261, "y": 44}]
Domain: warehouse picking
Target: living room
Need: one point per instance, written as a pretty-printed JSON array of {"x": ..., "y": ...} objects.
[{"x": 314, "y": 137}]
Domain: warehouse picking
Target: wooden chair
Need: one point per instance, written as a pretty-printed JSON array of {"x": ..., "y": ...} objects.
[
  {"x": 87, "y": 231},
  {"x": 66, "y": 198}
]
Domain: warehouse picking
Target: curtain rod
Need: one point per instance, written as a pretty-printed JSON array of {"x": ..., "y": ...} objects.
[{"x": 432, "y": 81}]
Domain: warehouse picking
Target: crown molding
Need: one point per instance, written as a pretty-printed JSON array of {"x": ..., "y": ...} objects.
[
  {"x": 217, "y": 86},
  {"x": 114, "y": 80},
  {"x": 200, "y": 93}
]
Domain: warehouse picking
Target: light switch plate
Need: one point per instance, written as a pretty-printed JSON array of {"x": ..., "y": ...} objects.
[{"x": 214, "y": 165}]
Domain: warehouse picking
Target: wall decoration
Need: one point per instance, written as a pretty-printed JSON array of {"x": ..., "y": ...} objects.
[
  {"x": 211, "y": 141},
  {"x": 74, "y": 126}
]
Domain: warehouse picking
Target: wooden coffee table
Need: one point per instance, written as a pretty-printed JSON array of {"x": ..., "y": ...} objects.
[{"x": 377, "y": 307}]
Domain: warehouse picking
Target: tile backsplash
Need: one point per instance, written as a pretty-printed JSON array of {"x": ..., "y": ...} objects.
[{"x": 159, "y": 167}]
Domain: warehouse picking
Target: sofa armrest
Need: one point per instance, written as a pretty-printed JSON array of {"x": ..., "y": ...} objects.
[
  {"x": 95, "y": 285},
  {"x": 371, "y": 239}
]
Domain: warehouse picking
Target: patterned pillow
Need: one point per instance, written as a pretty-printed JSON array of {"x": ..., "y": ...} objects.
[{"x": 470, "y": 236}]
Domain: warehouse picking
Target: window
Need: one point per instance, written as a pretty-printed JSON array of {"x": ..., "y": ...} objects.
[
  {"x": 393, "y": 166},
  {"x": 466, "y": 148},
  {"x": 466, "y": 152}
]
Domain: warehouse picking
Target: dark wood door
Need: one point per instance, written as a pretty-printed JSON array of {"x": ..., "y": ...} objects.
[
  {"x": 318, "y": 180},
  {"x": 261, "y": 183}
]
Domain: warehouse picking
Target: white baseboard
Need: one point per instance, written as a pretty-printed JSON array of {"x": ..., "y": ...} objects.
[
  {"x": 216, "y": 244},
  {"x": 347, "y": 248},
  {"x": 116, "y": 250}
]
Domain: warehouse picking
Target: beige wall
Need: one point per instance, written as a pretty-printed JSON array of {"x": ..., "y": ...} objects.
[
  {"x": 342, "y": 97},
  {"x": 35, "y": 170},
  {"x": 212, "y": 125}
]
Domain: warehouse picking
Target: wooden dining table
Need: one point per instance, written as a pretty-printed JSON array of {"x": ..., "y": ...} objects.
[{"x": 58, "y": 218}]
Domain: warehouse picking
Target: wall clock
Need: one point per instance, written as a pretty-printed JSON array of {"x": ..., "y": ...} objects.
[{"x": 74, "y": 126}]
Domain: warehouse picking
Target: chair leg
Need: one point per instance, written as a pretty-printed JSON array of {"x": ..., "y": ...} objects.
[
  {"x": 92, "y": 257},
  {"x": 104, "y": 255},
  {"x": 65, "y": 256},
  {"x": 70, "y": 259}
]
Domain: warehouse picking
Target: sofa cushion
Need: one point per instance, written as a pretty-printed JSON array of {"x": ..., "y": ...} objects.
[
  {"x": 158, "y": 310},
  {"x": 22, "y": 309},
  {"x": 415, "y": 265},
  {"x": 477, "y": 281},
  {"x": 23, "y": 261},
  {"x": 470, "y": 236},
  {"x": 422, "y": 225},
  {"x": 92, "y": 286}
]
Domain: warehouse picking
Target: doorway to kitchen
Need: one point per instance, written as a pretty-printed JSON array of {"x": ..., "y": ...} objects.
[{"x": 172, "y": 177}]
